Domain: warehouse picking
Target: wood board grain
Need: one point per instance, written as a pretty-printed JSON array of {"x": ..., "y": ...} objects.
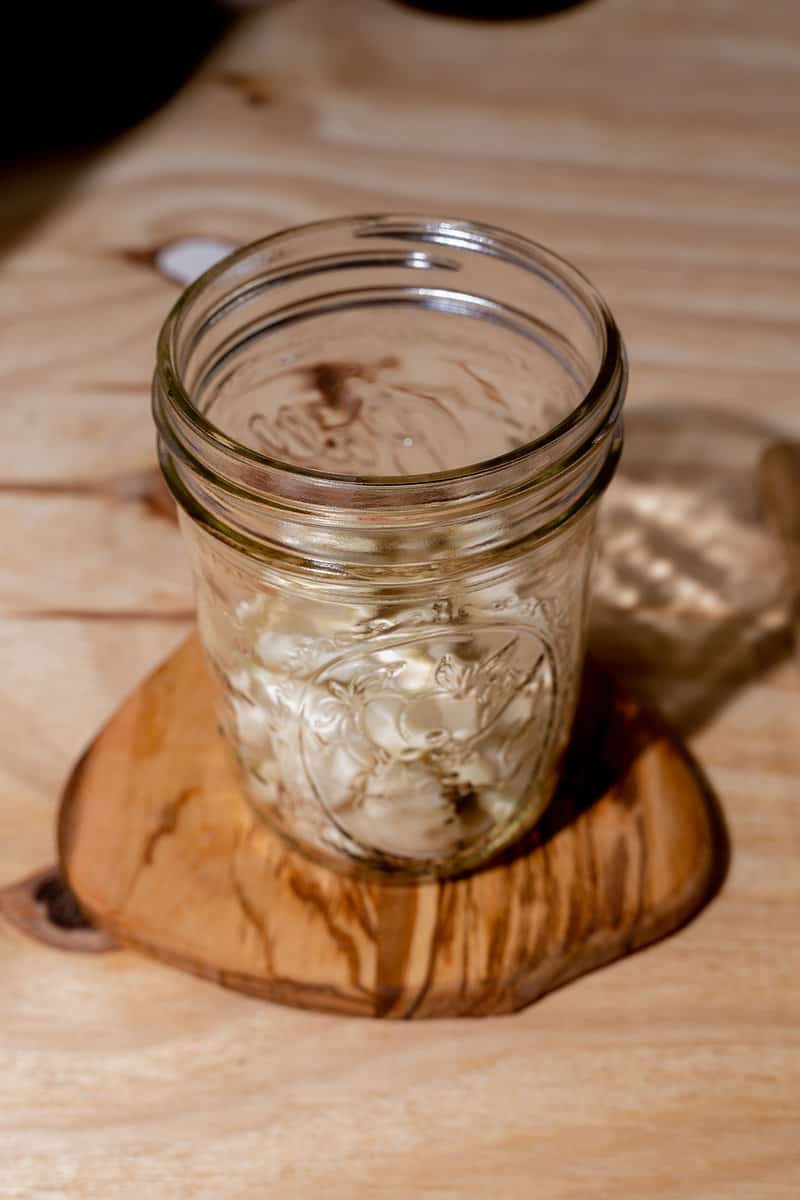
[{"x": 161, "y": 849}]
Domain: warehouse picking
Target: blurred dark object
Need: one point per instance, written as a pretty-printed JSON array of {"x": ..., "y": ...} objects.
[
  {"x": 501, "y": 10},
  {"x": 75, "y": 74}
]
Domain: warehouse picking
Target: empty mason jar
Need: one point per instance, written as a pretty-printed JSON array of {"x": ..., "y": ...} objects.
[{"x": 386, "y": 436}]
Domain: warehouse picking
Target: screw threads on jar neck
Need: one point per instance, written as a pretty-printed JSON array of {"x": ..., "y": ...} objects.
[{"x": 438, "y": 329}]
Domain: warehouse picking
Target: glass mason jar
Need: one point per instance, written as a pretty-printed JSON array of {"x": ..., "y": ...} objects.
[{"x": 386, "y": 436}]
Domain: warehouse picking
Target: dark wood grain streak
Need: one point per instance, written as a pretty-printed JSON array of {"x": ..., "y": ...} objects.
[
  {"x": 397, "y": 909},
  {"x": 145, "y": 487},
  {"x": 163, "y": 853},
  {"x": 100, "y": 615}
]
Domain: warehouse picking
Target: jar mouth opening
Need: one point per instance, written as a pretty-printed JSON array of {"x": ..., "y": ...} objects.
[{"x": 542, "y": 452}]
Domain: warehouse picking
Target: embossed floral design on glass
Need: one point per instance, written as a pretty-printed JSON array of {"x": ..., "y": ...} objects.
[{"x": 387, "y": 436}]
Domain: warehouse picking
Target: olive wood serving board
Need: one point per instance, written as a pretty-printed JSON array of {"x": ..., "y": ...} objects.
[{"x": 162, "y": 852}]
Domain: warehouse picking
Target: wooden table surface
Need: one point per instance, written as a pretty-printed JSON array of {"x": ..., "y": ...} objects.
[{"x": 656, "y": 144}]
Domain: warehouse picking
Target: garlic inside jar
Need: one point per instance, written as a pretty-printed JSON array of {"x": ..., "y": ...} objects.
[{"x": 415, "y": 736}]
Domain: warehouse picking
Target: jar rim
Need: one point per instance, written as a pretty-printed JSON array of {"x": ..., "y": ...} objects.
[{"x": 608, "y": 381}]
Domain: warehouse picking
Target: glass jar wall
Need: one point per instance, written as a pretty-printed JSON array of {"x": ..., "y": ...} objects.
[{"x": 386, "y": 436}]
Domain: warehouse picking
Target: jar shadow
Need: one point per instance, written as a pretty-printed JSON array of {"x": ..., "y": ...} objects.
[
  {"x": 611, "y": 733},
  {"x": 691, "y": 603},
  {"x": 691, "y": 590}
]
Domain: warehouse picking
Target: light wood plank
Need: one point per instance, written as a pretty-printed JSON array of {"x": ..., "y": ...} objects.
[{"x": 656, "y": 145}]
